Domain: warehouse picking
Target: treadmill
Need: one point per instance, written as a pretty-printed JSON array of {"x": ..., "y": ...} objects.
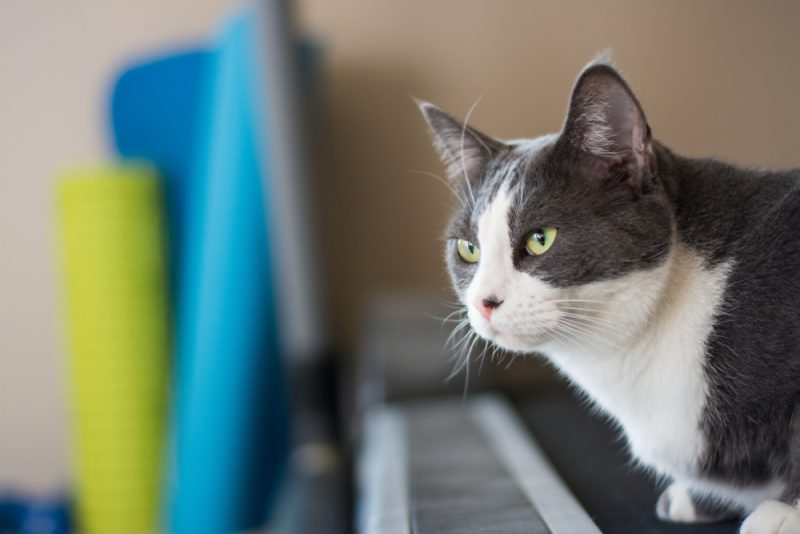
[{"x": 517, "y": 451}]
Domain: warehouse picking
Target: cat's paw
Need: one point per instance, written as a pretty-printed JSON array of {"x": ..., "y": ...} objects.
[
  {"x": 678, "y": 504},
  {"x": 772, "y": 517},
  {"x": 675, "y": 505}
]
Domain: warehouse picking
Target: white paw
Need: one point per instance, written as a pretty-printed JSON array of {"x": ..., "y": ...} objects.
[
  {"x": 772, "y": 517},
  {"x": 675, "y": 504}
]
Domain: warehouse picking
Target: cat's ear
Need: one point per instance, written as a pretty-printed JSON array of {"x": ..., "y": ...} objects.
[
  {"x": 461, "y": 147},
  {"x": 608, "y": 128}
]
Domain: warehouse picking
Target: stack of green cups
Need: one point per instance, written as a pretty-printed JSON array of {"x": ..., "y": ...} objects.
[{"x": 113, "y": 256}]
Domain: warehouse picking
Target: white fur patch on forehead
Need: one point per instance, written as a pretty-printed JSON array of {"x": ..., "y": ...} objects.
[
  {"x": 530, "y": 149},
  {"x": 511, "y": 169},
  {"x": 493, "y": 222},
  {"x": 495, "y": 242}
]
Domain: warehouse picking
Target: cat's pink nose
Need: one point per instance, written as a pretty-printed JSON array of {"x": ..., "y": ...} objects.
[{"x": 488, "y": 305}]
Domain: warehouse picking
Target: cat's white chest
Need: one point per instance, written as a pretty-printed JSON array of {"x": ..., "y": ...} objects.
[
  {"x": 654, "y": 386},
  {"x": 660, "y": 410},
  {"x": 659, "y": 415}
]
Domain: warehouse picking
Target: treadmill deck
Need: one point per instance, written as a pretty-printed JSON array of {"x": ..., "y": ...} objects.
[{"x": 474, "y": 467}]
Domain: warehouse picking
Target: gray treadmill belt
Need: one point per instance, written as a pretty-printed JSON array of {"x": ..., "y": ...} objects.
[
  {"x": 457, "y": 484},
  {"x": 468, "y": 467}
]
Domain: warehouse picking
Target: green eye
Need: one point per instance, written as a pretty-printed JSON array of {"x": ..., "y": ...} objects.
[
  {"x": 541, "y": 240},
  {"x": 468, "y": 251}
]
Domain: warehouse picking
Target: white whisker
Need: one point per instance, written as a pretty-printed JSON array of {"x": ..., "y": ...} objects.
[
  {"x": 591, "y": 337},
  {"x": 591, "y": 319},
  {"x": 463, "y": 160},
  {"x": 441, "y": 180}
]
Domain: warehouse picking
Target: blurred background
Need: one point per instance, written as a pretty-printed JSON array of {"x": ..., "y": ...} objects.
[{"x": 715, "y": 78}]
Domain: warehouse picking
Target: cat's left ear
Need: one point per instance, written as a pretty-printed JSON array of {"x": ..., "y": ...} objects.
[
  {"x": 608, "y": 128},
  {"x": 461, "y": 147}
]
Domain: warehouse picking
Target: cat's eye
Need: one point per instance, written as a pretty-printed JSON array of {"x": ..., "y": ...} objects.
[
  {"x": 540, "y": 240},
  {"x": 468, "y": 251}
]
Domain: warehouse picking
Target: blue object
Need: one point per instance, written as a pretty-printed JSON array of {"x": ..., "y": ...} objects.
[
  {"x": 196, "y": 115},
  {"x": 193, "y": 115},
  {"x": 27, "y": 515},
  {"x": 155, "y": 116},
  {"x": 231, "y": 416},
  {"x": 231, "y": 435}
]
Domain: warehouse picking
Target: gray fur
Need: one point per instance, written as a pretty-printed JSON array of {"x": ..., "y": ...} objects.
[{"x": 618, "y": 210}]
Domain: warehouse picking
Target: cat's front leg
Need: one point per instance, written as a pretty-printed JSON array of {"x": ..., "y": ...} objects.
[
  {"x": 772, "y": 517},
  {"x": 678, "y": 504}
]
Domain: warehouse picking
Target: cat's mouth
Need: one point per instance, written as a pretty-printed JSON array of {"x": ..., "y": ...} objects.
[{"x": 508, "y": 340}]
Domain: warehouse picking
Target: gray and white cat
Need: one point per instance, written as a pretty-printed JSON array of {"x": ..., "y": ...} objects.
[{"x": 667, "y": 288}]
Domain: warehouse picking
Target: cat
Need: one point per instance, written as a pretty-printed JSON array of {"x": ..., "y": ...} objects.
[{"x": 666, "y": 288}]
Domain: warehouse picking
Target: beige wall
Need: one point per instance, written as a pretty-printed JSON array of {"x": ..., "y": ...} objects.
[{"x": 715, "y": 77}]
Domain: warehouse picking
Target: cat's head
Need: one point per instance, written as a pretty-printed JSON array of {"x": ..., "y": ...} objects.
[{"x": 558, "y": 236}]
